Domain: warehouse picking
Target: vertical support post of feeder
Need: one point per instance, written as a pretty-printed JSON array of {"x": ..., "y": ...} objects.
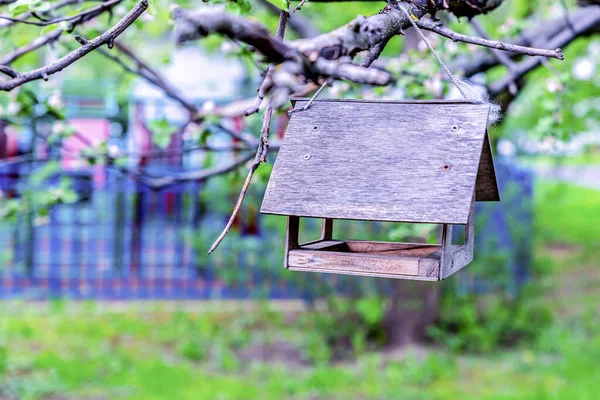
[
  {"x": 327, "y": 229},
  {"x": 470, "y": 233},
  {"x": 446, "y": 259},
  {"x": 291, "y": 237}
]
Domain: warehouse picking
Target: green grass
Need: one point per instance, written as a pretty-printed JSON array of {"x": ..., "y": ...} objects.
[
  {"x": 142, "y": 356},
  {"x": 86, "y": 353},
  {"x": 567, "y": 214}
]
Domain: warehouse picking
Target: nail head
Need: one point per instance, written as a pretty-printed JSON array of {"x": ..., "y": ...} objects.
[{"x": 306, "y": 157}]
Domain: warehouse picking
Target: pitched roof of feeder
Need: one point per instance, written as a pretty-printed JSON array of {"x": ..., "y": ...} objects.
[{"x": 383, "y": 161}]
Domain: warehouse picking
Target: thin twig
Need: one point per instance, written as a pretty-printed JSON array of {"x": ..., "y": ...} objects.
[
  {"x": 374, "y": 53},
  {"x": 106, "y": 38},
  {"x": 34, "y": 45},
  {"x": 261, "y": 151},
  {"x": 149, "y": 74},
  {"x": 585, "y": 24},
  {"x": 494, "y": 44},
  {"x": 299, "y": 6},
  {"x": 53, "y": 7},
  {"x": 262, "y": 89},
  {"x": 99, "y": 8},
  {"x": 312, "y": 99},
  {"x": 501, "y": 56}
]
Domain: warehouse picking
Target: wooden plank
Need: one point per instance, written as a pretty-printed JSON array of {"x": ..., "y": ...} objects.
[
  {"x": 322, "y": 245},
  {"x": 392, "y": 249},
  {"x": 461, "y": 256},
  {"x": 429, "y": 267},
  {"x": 374, "y": 101},
  {"x": 379, "y": 161},
  {"x": 446, "y": 261},
  {"x": 352, "y": 262},
  {"x": 487, "y": 185},
  {"x": 367, "y": 274}
]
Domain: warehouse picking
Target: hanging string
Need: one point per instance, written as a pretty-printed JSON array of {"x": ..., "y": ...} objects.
[{"x": 435, "y": 54}]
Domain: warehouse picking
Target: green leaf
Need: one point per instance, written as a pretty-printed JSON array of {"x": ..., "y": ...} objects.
[
  {"x": 19, "y": 7},
  {"x": 69, "y": 196},
  {"x": 152, "y": 7},
  {"x": 282, "y": 4},
  {"x": 161, "y": 132},
  {"x": 49, "y": 28}
]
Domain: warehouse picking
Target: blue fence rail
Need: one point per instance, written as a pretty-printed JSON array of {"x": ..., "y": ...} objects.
[{"x": 122, "y": 240}]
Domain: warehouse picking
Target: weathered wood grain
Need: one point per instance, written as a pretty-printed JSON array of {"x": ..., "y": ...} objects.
[
  {"x": 384, "y": 161},
  {"x": 380, "y": 259},
  {"x": 446, "y": 260},
  {"x": 461, "y": 256},
  {"x": 486, "y": 188},
  {"x": 353, "y": 262},
  {"x": 291, "y": 239}
]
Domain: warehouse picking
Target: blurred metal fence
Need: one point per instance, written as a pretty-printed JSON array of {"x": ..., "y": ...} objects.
[{"x": 121, "y": 240}]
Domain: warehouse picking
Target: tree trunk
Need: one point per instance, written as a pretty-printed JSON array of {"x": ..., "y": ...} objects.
[{"x": 414, "y": 306}]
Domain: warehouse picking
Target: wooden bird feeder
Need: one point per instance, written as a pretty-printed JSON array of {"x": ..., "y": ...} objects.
[{"x": 416, "y": 162}]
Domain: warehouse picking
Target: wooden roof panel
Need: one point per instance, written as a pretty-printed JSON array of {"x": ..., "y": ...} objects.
[{"x": 385, "y": 161}]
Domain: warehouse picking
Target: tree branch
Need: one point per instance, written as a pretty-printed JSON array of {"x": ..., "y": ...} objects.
[
  {"x": 6, "y": 23},
  {"x": 92, "y": 11},
  {"x": 493, "y": 44},
  {"x": 200, "y": 175},
  {"x": 106, "y": 38},
  {"x": 542, "y": 32},
  {"x": 36, "y": 44},
  {"x": 585, "y": 24},
  {"x": 151, "y": 75}
]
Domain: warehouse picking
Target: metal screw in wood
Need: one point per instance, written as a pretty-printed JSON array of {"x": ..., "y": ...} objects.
[
  {"x": 454, "y": 128},
  {"x": 306, "y": 157}
]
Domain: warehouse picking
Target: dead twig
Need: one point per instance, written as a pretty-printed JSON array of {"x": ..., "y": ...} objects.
[{"x": 261, "y": 151}]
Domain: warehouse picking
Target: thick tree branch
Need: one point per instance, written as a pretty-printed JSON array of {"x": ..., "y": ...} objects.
[
  {"x": 106, "y": 38},
  {"x": 308, "y": 60}
]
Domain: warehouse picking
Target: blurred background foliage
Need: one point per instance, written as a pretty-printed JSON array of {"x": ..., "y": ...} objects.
[{"x": 538, "y": 342}]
